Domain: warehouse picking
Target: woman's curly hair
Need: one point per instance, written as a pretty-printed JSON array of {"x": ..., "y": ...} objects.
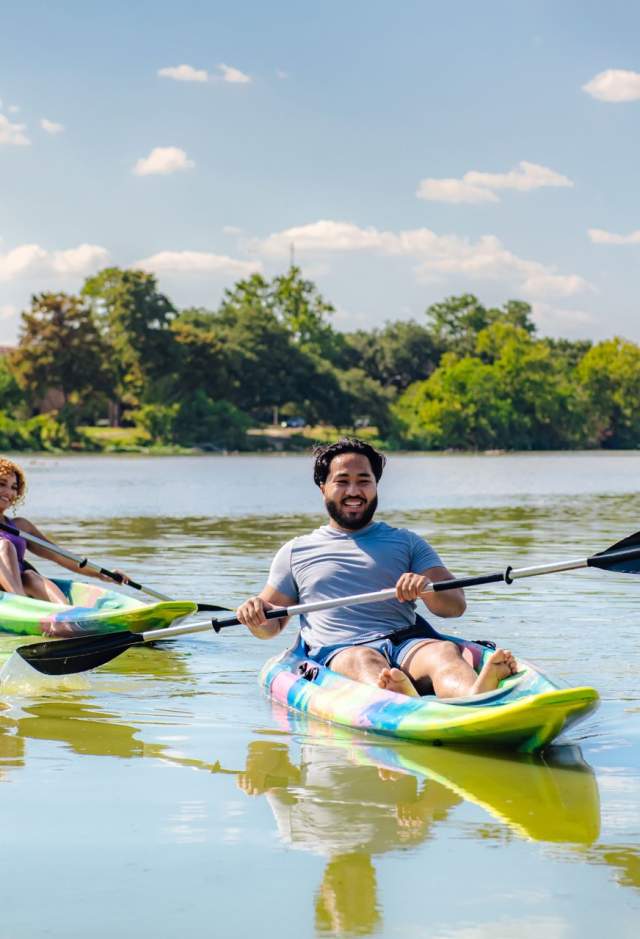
[
  {"x": 324, "y": 454},
  {"x": 7, "y": 467}
]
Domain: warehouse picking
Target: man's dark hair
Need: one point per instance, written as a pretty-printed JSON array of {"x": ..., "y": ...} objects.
[{"x": 324, "y": 454}]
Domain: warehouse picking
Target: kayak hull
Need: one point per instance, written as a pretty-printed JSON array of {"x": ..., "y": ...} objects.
[
  {"x": 524, "y": 714},
  {"x": 92, "y": 609}
]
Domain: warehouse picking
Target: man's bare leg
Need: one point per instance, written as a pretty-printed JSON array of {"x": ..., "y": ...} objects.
[
  {"x": 364, "y": 664},
  {"x": 440, "y": 666}
]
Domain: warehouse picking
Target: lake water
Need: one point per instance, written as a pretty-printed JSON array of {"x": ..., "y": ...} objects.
[{"x": 164, "y": 795}]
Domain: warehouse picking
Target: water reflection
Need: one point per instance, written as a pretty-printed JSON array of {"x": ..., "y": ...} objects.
[
  {"x": 86, "y": 730},
  {"x": 350, "y": 799}
]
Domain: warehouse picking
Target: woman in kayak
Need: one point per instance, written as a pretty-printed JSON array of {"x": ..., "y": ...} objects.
[{"x": 16, "y": 575}]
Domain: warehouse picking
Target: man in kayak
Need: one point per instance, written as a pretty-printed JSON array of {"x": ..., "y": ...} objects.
[{"x": 376, "y": 643}]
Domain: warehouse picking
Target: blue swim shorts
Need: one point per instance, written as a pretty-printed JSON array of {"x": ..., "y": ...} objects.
[{"x": 394, "y": 648}]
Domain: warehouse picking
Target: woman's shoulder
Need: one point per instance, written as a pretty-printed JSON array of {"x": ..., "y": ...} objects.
[{"x": 22, "y": 523}]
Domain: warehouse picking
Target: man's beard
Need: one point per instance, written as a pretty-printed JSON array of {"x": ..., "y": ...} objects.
[{"x": 352, "y": 524}]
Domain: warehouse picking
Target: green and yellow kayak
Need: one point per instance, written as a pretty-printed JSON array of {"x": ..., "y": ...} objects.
[
  {"x": 92, "y": 609},
  {"x": 525, "y": 713}
]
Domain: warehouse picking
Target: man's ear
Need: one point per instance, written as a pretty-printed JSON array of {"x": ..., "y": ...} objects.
[{"x": 321, "y": 487}]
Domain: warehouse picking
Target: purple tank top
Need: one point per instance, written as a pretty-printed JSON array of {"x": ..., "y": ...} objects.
[{"x": 18, "y": 543}]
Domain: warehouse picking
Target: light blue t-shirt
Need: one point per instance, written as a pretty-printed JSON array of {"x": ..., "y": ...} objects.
[{"x": 330, "y": 563}]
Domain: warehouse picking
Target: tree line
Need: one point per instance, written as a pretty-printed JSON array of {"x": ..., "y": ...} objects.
[{"x": 467, "y": 377}]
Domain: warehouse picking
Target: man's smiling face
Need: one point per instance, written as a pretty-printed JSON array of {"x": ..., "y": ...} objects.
[{"x": 350, "y": 491}]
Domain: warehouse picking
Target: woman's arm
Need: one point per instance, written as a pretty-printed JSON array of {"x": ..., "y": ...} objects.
[{"x": 25, "y": 525}]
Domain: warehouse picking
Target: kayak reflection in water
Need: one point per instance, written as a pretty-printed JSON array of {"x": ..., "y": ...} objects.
[
  {"x": 17, "y": 575},
  {"x": 376, "y": 643},
  {"x": 329, "y": 807}
]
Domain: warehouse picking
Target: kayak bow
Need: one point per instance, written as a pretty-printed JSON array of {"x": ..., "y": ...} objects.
[{"x": 93, "y": 610}]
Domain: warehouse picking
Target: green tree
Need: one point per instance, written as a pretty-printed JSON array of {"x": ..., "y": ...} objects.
[
  {"x": 268, "y": 368},
  {"x": 396, "y": 355},
  {"x": 456, "y": 321},
  {"x": 60, "y": 348},
  {"x": 460, "y": 406},
  {"x": 196, "y": 421},
  {"x": 365, "y": 402},
  {"x": 201, "y": 360},
  {"x": 547, "y": 410},
  {"x": 513, "y": 394},
  {"x": 136, "y": 319},
  {"x": 11, "y": 394},
  {"x": 609, "y": 373},
  {"x": 299, "y": 305}
]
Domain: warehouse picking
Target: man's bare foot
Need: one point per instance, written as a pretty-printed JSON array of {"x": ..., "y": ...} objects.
[
  {"x": 499, "y": 665},
  {"x": 393, "y": 679}
]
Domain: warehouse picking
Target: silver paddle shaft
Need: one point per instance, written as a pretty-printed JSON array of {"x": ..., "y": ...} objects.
[
  {"x": 375, "y": 597},
  {"x": 507, "y": 576}
]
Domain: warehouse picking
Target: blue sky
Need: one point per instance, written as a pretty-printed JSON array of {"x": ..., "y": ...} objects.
[{"x": 409, "y": 151}]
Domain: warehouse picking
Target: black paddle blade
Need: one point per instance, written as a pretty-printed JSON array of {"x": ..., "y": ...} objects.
[
  {"x": 68, "y": 656},
  {"x": 623, "y": 556}
]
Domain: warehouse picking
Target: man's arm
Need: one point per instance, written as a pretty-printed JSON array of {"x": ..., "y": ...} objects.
[
  {"x": 251, "y": 612},
  {"x": 447, "y": 603}
]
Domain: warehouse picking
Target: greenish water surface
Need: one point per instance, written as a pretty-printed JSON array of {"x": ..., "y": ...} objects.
[{"x": 164, "y": 795}]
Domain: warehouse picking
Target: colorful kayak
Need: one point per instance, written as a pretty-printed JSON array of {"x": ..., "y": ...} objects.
[
  {"x": 525, "y": 713},
  {"x": 92, "y": 609}
]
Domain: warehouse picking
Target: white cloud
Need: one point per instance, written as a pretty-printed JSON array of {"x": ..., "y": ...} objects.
[
  {"x": 7, "y": 311},
  {"x": 13, "y": 134},
  {"x": 79, "y": 260},
  {"x": 436, "y": 255},
  {"x": 476, "y": 187},
  {"x": 614, "y": 85},
  {"x": 14, "y": 108},
  {"x": 454, "y": 191},
  {"x": 196, "y": 262},
  {"x": 233, "y": 75},
  {"x": 231, "y": 230},
  {"x": 51, "y": 127},
  {"x": 281, "y": 74},
  {"x": 162, "y": 161},
  {"x": 601, "y": 237},
  {"x": 184, "y": 73},
  {"x": 32, "y": 259},
  {"x": 557, "y": 318}
]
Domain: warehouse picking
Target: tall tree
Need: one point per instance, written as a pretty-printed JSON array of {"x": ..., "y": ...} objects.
[
  {"x": 609, "y": 373},
  {"x": 456, "y": 321},
  {"x": 60, "y": 347},
  {"x": 136, "y": 319},
  {"x": 396, "y": 355},
  {"x": 300, "y": 306},
  {"x": 513, "y": 394},
  {"x": 268, "y": 366}
]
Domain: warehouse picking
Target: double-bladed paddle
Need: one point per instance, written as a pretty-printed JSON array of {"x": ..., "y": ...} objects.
[
  {"x": 66, "y": 656},
  {"x": 86, "y": 564}
]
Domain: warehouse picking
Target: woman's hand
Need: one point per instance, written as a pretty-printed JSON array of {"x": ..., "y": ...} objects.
[{"x": 110, "y": 580}]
